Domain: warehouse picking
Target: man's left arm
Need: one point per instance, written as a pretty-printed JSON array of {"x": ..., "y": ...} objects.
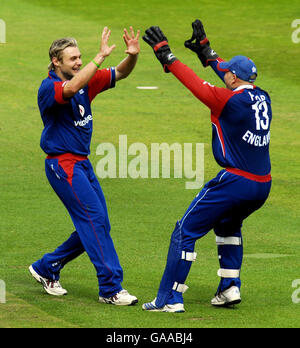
[
  {"x": 106, "y": 78},
  {"x": 200, "y": 45},
  {"x": 125, "y": 67},
  {"x": 215, "y": 66}
]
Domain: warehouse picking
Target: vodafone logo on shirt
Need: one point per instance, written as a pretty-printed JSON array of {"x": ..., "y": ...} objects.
[{"x": 85, "y": 120}]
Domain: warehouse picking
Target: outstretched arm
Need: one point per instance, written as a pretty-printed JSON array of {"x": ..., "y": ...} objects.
[
  {"x": 83, "y": 77},
  {"x": 200, "y": 45},
  {"x": 213, "y": 97},
  {"x": 214, "y": 65},
  {"x": 133, "y": 48}
]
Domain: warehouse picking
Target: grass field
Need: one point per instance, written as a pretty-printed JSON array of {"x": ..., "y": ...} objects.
[{"x": 143, "y": 212}]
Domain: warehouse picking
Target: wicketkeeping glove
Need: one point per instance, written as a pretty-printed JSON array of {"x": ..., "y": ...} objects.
[
  {"x": 157, "y": 40},
  {"x": 199, "y": 44}
]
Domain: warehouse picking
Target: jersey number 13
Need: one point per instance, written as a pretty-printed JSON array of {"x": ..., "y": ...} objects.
[{"x": 261, "y": 112}]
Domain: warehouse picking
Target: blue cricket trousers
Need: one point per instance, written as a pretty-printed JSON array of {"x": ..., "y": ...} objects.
[
  {"x": 222, "y": 205},
  {"x": 74, "y": 181}
]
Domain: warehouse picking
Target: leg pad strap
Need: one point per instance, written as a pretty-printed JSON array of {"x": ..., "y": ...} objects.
[
  {"x": 180, "y": 287},
  {"x": 228, "y": 240},
  {"x": 188, "y": 256},
  {"x": 228, "y": 273}
]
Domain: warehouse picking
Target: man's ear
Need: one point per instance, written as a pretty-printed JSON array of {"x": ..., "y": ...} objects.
[
  {"x": 55, "y": 62},
  {"x": 234, "y": 78}
]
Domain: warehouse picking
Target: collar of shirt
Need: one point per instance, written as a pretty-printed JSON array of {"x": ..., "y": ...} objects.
[
  {"x": 243, "y": 87},
  {"x": 53, "y": 75}
]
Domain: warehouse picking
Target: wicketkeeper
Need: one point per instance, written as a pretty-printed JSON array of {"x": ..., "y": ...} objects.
[{"x": 240, "y": 116}]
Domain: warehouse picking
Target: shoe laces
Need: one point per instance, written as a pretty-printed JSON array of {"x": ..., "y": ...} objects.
[{"x": 53, "y": 284}]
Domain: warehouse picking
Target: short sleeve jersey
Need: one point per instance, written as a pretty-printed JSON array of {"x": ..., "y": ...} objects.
[{"x": 68, "y": 124}]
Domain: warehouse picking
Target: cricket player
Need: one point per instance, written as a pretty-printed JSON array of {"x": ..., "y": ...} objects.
[
  {"x": 64, "y": 100},
  {"x": 240, "y": 116}
]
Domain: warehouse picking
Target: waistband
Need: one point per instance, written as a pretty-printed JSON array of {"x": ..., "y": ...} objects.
[
  {"x": 68, "y": 156},
  {"x": 250, "y": 176}
]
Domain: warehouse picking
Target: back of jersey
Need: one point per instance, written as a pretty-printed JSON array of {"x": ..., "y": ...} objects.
[{"x": 242, "y": 136}]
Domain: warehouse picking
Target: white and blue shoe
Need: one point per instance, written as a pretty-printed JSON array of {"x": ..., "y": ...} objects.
[
  {"x": 227, "y": 297},
  {"x": 52, "y": 287},
  {"x": 122, "y": 298},
  {"x": 171, "y": 308}
]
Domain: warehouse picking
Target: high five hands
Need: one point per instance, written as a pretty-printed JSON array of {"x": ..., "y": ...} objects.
[{"x": 131, "y": 41}]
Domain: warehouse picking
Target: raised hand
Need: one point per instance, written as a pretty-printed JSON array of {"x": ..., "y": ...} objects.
[
  {"x": 105, "y": 49},
  {"x": 158, "y": 41},
  {"x": 199, "y": 44},
  {"x": 131, "y": 41}
]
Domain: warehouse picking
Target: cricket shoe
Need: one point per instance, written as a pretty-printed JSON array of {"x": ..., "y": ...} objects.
[
  {"x": 227, "y": 297},
  {"x": 52, "y": 287},
  {"x": 171, "y": 308},
  {"x": 122, "y": 298}
]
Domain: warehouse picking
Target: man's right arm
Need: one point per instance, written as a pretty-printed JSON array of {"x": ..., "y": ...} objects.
[
  {"x": 81, "y": 79},
  {"x": 214, "y": 98}
]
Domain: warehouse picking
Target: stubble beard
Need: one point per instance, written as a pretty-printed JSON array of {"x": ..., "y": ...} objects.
[{"x": 66, "y": 75}]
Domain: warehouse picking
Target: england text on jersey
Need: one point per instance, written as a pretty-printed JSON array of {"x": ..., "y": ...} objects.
[{"x": 256, "y": 140}]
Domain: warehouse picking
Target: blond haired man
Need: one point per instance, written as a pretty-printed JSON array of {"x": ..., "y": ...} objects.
[{"x": 64, "y": 100}]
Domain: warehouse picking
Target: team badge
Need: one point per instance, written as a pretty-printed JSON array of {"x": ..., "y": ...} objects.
[{"x": 81, "y": 110}]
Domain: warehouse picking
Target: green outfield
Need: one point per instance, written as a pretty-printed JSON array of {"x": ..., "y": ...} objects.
[{"x": 143, "y": 211}]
